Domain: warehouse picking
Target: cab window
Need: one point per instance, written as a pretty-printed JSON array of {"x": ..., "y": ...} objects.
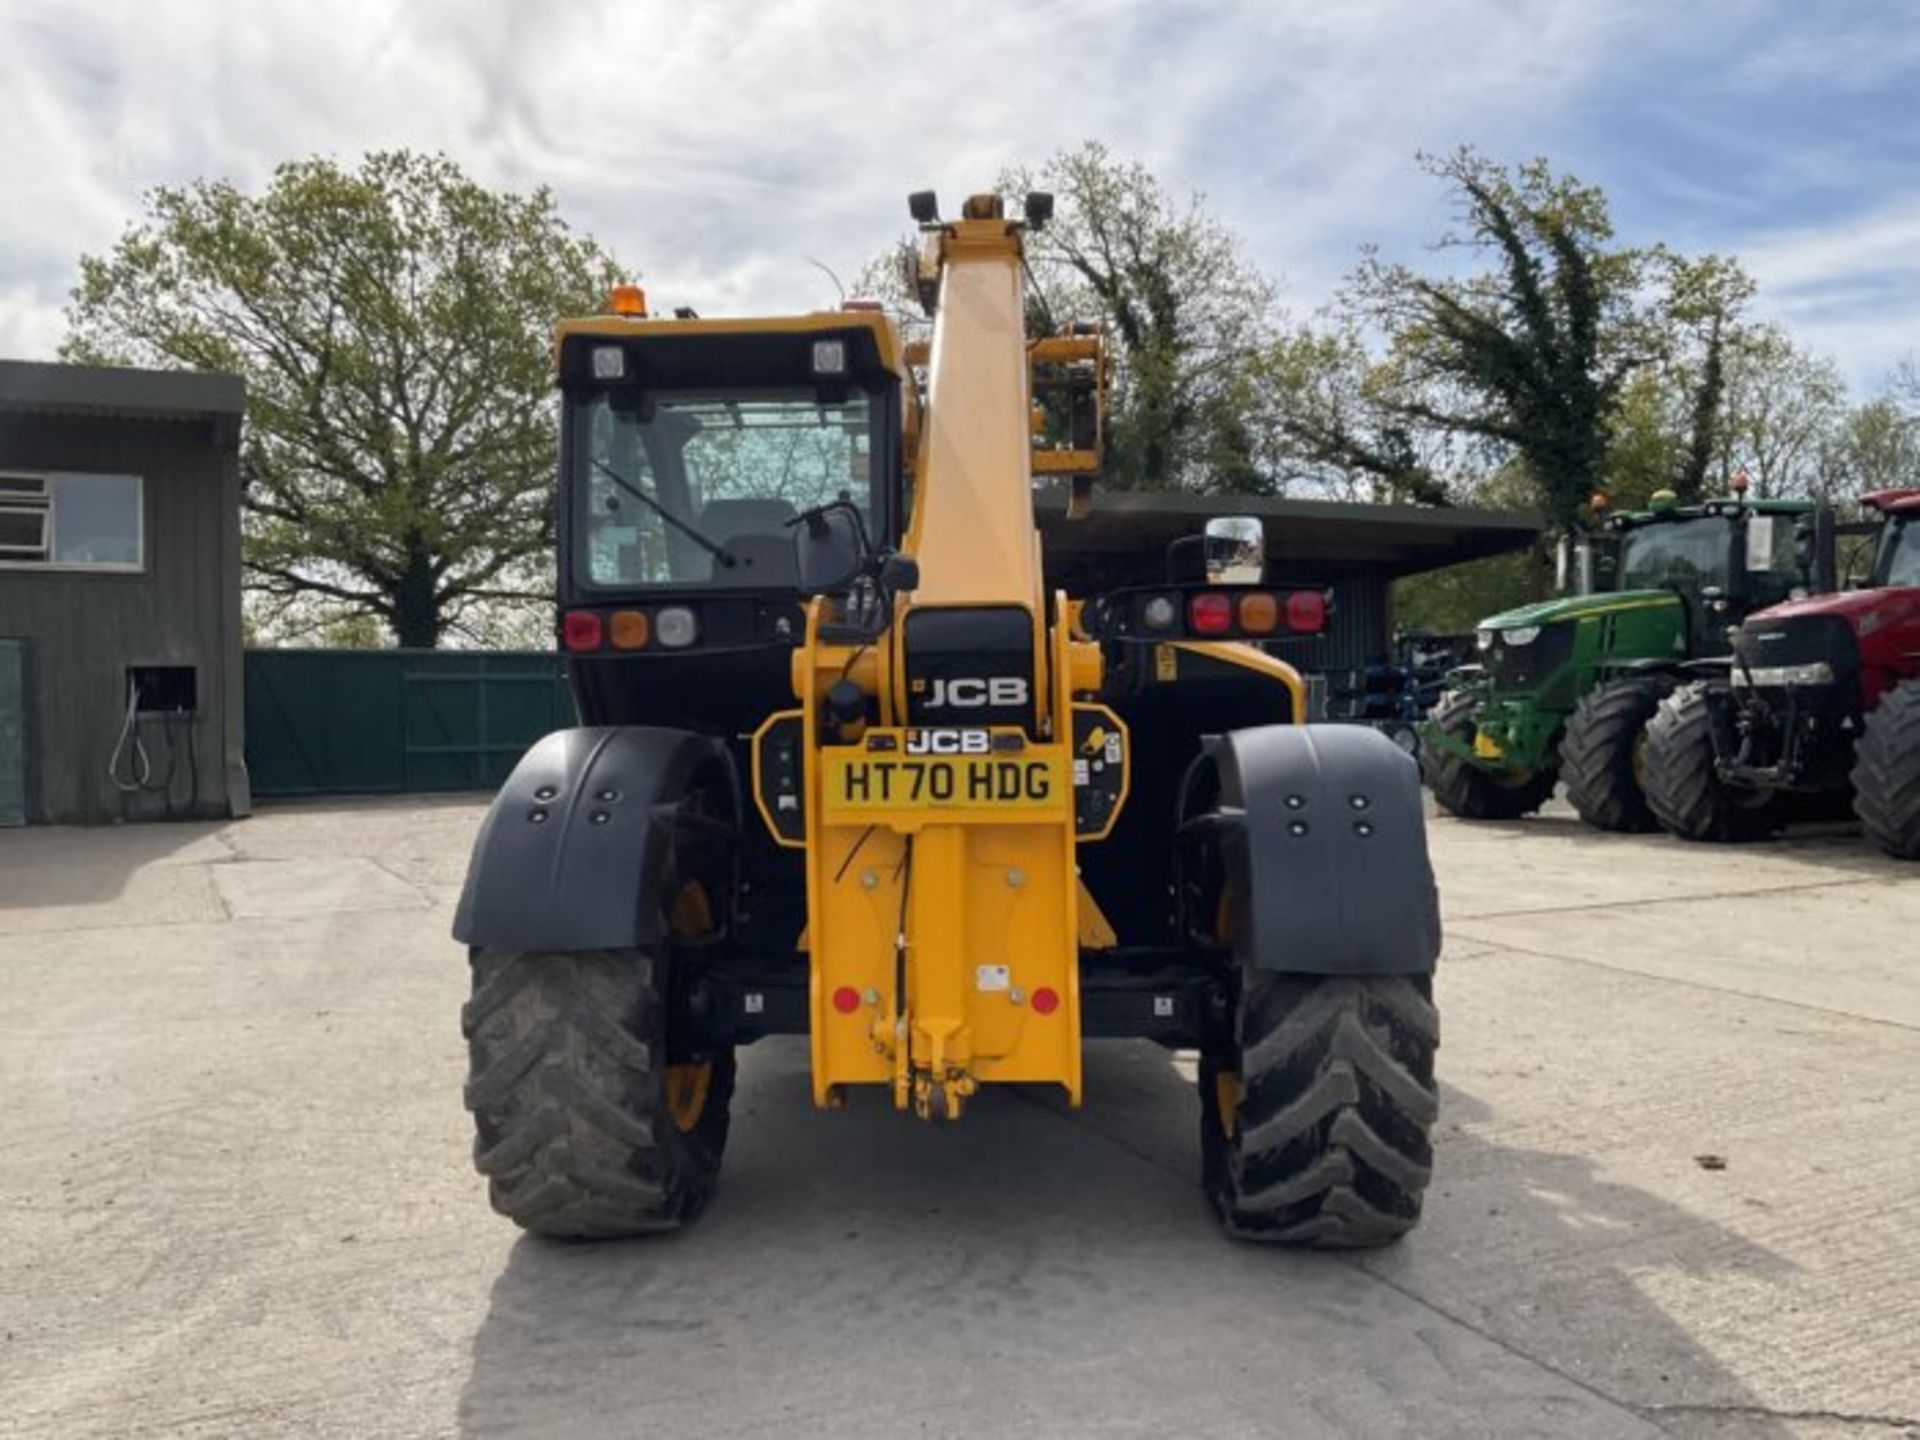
[
  {"x": 697, "y": 487},
  {"x": 1900, "y": 555},
  {"x": 1773, "y": 561},
  {"x": 1692, "y": 553}
]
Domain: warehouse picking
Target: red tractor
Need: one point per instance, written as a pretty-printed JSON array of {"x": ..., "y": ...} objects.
[{"x": 1820, "y": 696}]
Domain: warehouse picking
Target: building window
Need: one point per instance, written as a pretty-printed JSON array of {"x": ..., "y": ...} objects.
[{"x": 65, "y": 520}]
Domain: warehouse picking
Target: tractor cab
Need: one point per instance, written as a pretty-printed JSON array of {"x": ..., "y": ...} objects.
[
  {"x": 1727, "y": 557},
  {"x": 689, "y": 450},
  {"x": 1896, "y": 560}
]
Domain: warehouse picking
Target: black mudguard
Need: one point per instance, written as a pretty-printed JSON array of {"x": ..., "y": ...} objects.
[
  {"x": 1322, "y": 840},
  {"x": 571, "y": 854}
]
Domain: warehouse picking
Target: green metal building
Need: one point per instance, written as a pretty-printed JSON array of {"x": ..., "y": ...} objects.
[{"x": 120, "y": 662}]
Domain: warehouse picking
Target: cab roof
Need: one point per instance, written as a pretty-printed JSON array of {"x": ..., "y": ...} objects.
[
  {"x": 1725, "y": 505},
  {"x": 1905, "y": 501},
  {"x": 886, "y": 338}
]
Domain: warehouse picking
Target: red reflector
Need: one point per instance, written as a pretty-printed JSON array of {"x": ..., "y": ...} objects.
[
  {"x": 1209, "y": 614},
  {"x": 1307, "y": 612},
  {"x": 846, "y": 999},
  {"x": 1046, "y": 1000},
  {"x": 581, "y": 630}
]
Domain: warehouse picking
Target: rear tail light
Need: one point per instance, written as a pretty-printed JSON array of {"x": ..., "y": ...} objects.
[
  {"x": 1259, "y": 613},
  {"x": 581, "y": 630},
  {"x": 1306, "y": 612},
  {"x": 1210, "y": 613},
  {"x": 628, "y": 629}
]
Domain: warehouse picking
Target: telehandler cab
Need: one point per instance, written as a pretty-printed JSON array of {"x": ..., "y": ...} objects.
[{"x": 851, "y": 770}]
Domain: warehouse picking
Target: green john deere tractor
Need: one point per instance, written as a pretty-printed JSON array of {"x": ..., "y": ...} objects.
[{"x": 1563, "y": 689}]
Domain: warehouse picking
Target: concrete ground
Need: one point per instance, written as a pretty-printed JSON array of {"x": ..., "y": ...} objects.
[{"x": 1678, "y": 1183}]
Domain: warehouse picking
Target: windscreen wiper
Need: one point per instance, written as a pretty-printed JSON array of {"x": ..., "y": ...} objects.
[{"x": 664, "y": 513}]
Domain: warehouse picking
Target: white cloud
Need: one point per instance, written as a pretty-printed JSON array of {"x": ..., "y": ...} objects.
[
  {"x": 720, "y": 146},
  {"x": 1850, "y": 288}
]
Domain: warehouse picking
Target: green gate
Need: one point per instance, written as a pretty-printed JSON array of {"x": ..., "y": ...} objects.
[{"x": 358, "y": 721}]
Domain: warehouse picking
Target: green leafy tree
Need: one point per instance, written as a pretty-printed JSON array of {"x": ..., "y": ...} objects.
[
  {"x": 391, "y": 322},
  {"x": 1649, "y": 443},
  {"x": 1453, "y": 600},
  {"x": 1785, "y": 410},
  {"x": 1339, "y": 431},
  {"x": 1188, "y": 314},
  {"x": 1526, "y": 346},
  {"x": 1693, "y": 330},
  {"x": 1875, "y": 447},
  {"x": 1187, "y": 317}
]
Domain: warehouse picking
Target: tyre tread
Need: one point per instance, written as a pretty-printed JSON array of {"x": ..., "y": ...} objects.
[
  {"x": 1333, "y": 1145},
  {"x": 1684, "y": 792},
  {"x": 567, "y": 1057},
  {"x": 1465, "y": 790},
  {"x": 1596, "y": 754},
  {"x": 1886, "y": 773}
]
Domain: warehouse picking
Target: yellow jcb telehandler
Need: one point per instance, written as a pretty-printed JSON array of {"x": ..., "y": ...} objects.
[{"x": 851, "y": 770}]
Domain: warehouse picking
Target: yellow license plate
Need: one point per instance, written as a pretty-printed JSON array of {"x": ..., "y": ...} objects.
[
  {"x": 868, "y": 781},
  {"x": 1486, "y": 747}
]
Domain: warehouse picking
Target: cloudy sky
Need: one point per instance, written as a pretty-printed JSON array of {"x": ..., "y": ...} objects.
[{"x": 720, "y": 146}]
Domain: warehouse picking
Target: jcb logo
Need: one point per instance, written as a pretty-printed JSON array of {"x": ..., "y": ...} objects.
[
  {"x": 948, "y": 742},
  {"x": 972, "y": 694}
]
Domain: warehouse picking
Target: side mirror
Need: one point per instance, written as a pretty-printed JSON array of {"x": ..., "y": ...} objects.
[
  {"x": 1815, "y": 551},
  {"x": 829, "y": 549},
  {"x": 1236, "y": 547}
]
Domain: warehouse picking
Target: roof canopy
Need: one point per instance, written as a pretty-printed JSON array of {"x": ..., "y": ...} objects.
[
  {"x": 109, "y": 391},
  {"x": 1126, "y": 535}
]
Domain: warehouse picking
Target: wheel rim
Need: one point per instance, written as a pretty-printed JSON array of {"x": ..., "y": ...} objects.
[
  {"x": 690, "y": 916},
  {"x": 1226, "y": 1101},
  {"x": 1505, "y": 779},
  {"x": 687, "y": 1088}
]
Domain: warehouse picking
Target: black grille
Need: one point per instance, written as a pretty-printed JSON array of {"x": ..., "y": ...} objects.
[
  {"x": 1524, "y": 667},
  {"x": 1799, "y": 640}
]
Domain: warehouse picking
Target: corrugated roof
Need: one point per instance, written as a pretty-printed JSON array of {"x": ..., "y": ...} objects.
[{"x": 1135, "y": 526}]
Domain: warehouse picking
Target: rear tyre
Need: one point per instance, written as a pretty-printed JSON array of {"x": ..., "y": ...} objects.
[
  {"x": 1602, "y": 754},
  {"x": 1467, "y": 790},
  {"x": 583, "y": 1128},
  {"x": 1316, "y": 1129},
  {"x": 1685, "y": 793},
  {"x": 1886, "y": 773}
]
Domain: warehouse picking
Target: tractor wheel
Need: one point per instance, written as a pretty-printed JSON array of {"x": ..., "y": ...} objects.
[
  {"x": 1603, "y": 752},
  {"x": 1886, "y": 773},
  {"x": 1686, "y": 795},
  {"x": 1467, "y": 790},
  {"x": 1316, "y": 1129},
  {"x": 584, "y": 1128}
]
